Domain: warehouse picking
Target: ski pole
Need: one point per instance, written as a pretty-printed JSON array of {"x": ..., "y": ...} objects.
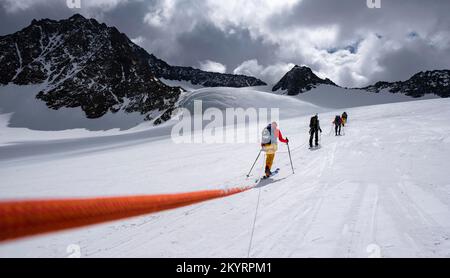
[
  {"x": 290, "y": 158},
  {"x": 248, "y": 175}
]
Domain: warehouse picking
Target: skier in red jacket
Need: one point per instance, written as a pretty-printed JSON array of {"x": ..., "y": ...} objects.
[{"x": 271, "y": 135}]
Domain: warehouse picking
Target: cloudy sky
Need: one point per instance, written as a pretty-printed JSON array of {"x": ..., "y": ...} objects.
[{"x": 343, "y": 40}]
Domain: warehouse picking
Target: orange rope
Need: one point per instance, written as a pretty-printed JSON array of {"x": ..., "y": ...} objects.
[{"x": 32, "y": 217}]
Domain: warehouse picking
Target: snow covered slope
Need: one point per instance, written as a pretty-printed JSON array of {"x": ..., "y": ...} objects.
[
  {"x": 253, "y": 97},
  {"x": 23, "y": 118},
  {"x": 380, "y": 190},
  {"x": 337, "y": 97},
  {"x": 19, "y": 107},
  {"x": 27, "y": 111}
]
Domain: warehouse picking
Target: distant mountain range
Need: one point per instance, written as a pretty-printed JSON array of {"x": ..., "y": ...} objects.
[
  {"x": 302, "y": 79},
  {"x": 429, "y": 82},
  {"x": 87, "y": 64},
  {"x": 198, "y": 77}
]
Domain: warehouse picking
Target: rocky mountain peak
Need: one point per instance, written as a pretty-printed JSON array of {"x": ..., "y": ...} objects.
[
  {"x": 77, "y": 17},
  {"x": 300, "y": 79},
  {"x": 82, "y": 63}
]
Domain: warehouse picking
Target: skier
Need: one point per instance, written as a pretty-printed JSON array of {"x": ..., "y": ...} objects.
[
  {"x": 337, "y": 125},
  {"x": 270, "y": 136},
  {"x": 344, "y": 118},
  {"x": 314, "y": 128}
]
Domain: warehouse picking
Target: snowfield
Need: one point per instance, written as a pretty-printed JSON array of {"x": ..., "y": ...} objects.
[{"x": 382, "y": 190}]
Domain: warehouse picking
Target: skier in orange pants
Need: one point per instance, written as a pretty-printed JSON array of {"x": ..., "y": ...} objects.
[{"x": 269, "y": 143}]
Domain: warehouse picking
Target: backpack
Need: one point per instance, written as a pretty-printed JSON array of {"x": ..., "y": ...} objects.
[
  {"x": 266, "y": 137},
  {"x": 337, "y": 120},
  {"x": 313, "y": 122}
]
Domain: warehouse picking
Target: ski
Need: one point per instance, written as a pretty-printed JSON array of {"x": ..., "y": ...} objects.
[
  {"x": 315, "y": 148},
  {"x": 265, "y": 177},
  {"x": 273, "y": 174}
]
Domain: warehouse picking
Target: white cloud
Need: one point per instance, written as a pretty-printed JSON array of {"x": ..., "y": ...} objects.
[
  {"x": 212, "y": 66},
  {"x": 139, "y": 40},
  {"x": 254, "y": 14},
  {"x": 103, "y": 4},
  {"x": 13, "y": 6},
  {"x": 250, "y": 67},
  {"x": 160, "y": 14},
  {"x": 270, "y": 74}
]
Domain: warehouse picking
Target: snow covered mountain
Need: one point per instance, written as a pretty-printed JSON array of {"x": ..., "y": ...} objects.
[
  {"x": 85, "y": 64},
  {"x": 82, "y": 63},
  {"x": 299, "y": 80},
  {"x": 198, "y": 77},
  {"x": 429, "y": 82}
]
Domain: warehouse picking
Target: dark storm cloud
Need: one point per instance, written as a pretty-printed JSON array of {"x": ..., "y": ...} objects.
[
  {"x": 416, "y": 56},
  {"x": 13, "y": 22},
  {"x": 206, "y": 41},
  {"x": 353, "y": 15},
  {"x": 128, "y": 18}
]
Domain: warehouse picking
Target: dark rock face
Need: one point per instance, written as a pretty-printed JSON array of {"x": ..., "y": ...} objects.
[
  {"x": 198, "y": 77},
  {"x": 300, "y": 80},
  {"x": 84, "y": 64},
  {"x": 429, "y": 82}
]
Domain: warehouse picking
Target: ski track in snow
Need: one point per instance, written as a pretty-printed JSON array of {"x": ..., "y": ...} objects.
[{"x": 380, "y": 190}]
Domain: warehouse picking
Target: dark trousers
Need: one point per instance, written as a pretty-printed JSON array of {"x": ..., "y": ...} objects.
[
  {"x": 312, "y": 133},
  {"x": 338, "y": 129}
]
